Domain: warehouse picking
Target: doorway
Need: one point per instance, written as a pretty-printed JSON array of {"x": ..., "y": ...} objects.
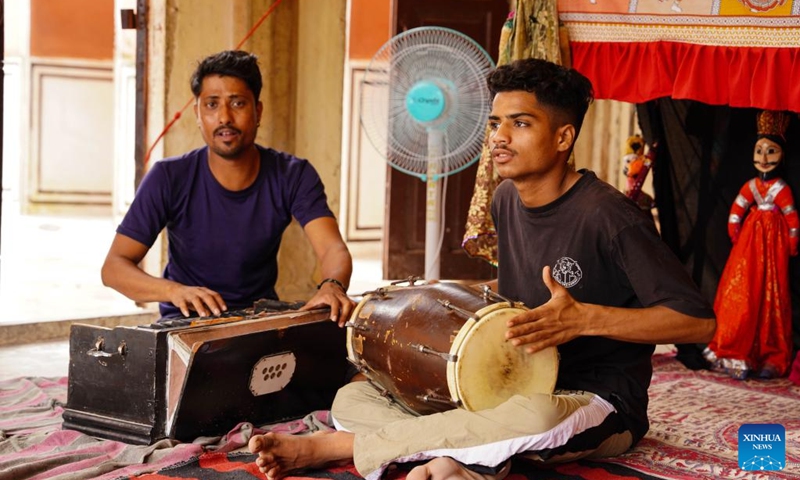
[{"x": 404, "y": 235}]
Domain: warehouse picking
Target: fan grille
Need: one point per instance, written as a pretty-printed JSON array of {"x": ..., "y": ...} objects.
[{"x": 458, "y": 67}]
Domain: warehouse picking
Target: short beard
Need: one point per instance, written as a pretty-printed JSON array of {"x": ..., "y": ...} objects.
[{"x": 229, "y": 154}]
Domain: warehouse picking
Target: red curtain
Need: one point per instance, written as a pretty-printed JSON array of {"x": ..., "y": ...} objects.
[{"x": 635, "y": 72}]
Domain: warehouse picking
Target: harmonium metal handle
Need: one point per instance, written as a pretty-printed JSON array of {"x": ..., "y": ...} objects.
[{"x": 99, "y": 344}]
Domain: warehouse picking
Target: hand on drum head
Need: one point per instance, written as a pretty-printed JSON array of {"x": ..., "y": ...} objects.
[
  {"x": 334, "y": 296},
  {"x": 558, "y": 321}
]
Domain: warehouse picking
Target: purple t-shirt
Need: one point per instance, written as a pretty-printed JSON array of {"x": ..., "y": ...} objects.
[{"x": 223, "y": 240}]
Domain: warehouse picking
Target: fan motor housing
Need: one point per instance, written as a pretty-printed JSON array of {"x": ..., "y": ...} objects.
[{"x": 425, "y": 101}]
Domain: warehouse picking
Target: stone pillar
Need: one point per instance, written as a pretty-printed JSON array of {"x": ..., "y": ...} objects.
[{"x": 317, "y": 111}]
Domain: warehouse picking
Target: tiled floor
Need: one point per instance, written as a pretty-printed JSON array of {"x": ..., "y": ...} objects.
[
  {"x": 50, "y": 268},
  {"x": 47, "y": 359}
]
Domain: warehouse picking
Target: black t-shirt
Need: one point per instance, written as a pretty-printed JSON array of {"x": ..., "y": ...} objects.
[{"x": 605, "y": 251}]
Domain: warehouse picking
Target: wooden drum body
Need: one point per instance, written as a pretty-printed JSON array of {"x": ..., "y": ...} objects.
[{"x": 435, "y": 347}]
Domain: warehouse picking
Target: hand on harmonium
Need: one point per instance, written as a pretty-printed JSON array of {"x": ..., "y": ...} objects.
[
  {"x": 332, "y": 293},
  {"x": 204, "y": 301}
]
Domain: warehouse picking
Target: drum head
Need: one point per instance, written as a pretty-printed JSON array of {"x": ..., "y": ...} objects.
[
  {"x": 353, "y": 340},
  {"x": 490, "y": 370},
  {"x": 363, "y": 311}
]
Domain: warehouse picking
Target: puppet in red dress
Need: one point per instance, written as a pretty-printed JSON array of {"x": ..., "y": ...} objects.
[
  {"x": 637, "y": 165},
  {"x": 753, "y": 304}
]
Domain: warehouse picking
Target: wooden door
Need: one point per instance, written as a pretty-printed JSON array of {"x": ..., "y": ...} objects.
[{"x": 404, "y": 230}]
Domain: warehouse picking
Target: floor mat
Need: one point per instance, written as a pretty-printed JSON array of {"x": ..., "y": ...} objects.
[
  {"x": 695, "y": 418},
  {"x": 694, "y": 415},
  {"x": 234, "y": 466}
]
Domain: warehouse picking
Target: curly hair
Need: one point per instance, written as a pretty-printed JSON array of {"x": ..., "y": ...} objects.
[
  {"x": 230, "y": 63},
  {"x": 564, "y": 91}
]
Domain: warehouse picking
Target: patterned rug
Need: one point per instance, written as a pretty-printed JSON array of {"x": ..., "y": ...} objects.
[
  {"x": 695, "y": 417},
  {"x": 240, "y": 466}
]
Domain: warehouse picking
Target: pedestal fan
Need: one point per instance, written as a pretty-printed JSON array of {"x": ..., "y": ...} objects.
[{"x": 424, "y": 107}]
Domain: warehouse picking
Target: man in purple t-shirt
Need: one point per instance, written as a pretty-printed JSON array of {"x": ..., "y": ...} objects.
[{"x": 225, "y": 207}]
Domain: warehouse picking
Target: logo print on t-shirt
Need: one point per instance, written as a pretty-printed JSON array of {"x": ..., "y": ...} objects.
[{"x": 567, "y": 272}]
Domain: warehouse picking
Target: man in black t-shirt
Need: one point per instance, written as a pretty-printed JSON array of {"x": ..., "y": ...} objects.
[
  {"x": 600, "y": 250},
  {"x": 600, "y": 285}
]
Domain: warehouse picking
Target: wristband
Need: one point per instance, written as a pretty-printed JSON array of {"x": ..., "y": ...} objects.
[{"x": 332, "y": 280}]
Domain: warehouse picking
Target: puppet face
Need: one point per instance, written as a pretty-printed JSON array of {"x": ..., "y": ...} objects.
[{"x": 767, "y": 155}]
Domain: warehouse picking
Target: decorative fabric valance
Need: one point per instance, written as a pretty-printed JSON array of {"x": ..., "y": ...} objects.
[{"x": 742, "y": 53}]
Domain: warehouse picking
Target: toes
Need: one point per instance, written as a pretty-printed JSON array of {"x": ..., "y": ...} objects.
[
  {"x": 261, "y": 443},
  {"x": 255, "y": 444},
  {"x": 273, "y": 473}
]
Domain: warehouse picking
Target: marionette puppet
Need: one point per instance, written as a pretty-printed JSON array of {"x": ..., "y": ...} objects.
[
  {"x": 753, "y": 304},
  {"x": 637, "y": 166}
]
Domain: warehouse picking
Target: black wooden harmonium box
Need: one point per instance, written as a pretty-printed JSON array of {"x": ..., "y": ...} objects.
[{"x": 202, "y": 377}]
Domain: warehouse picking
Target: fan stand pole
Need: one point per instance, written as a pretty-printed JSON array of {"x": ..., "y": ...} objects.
[{"x": 433, "y": 228}]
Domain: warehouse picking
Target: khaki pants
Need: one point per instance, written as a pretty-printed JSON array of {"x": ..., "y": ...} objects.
[{"x": 559, "y": 427}]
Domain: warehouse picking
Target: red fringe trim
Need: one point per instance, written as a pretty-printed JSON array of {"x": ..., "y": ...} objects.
[{"x": 744, "y": 77}]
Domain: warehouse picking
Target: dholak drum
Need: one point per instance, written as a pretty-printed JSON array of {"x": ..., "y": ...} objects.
[{"x": 435, "y": 347}]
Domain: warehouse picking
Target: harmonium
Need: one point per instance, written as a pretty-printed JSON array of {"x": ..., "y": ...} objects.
[{"x": 186, "y": 378}]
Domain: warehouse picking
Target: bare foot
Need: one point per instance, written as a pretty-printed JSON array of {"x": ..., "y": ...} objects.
[
  {"x": 445, "y": 468},
  {"x": 281, "y": 454}
]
